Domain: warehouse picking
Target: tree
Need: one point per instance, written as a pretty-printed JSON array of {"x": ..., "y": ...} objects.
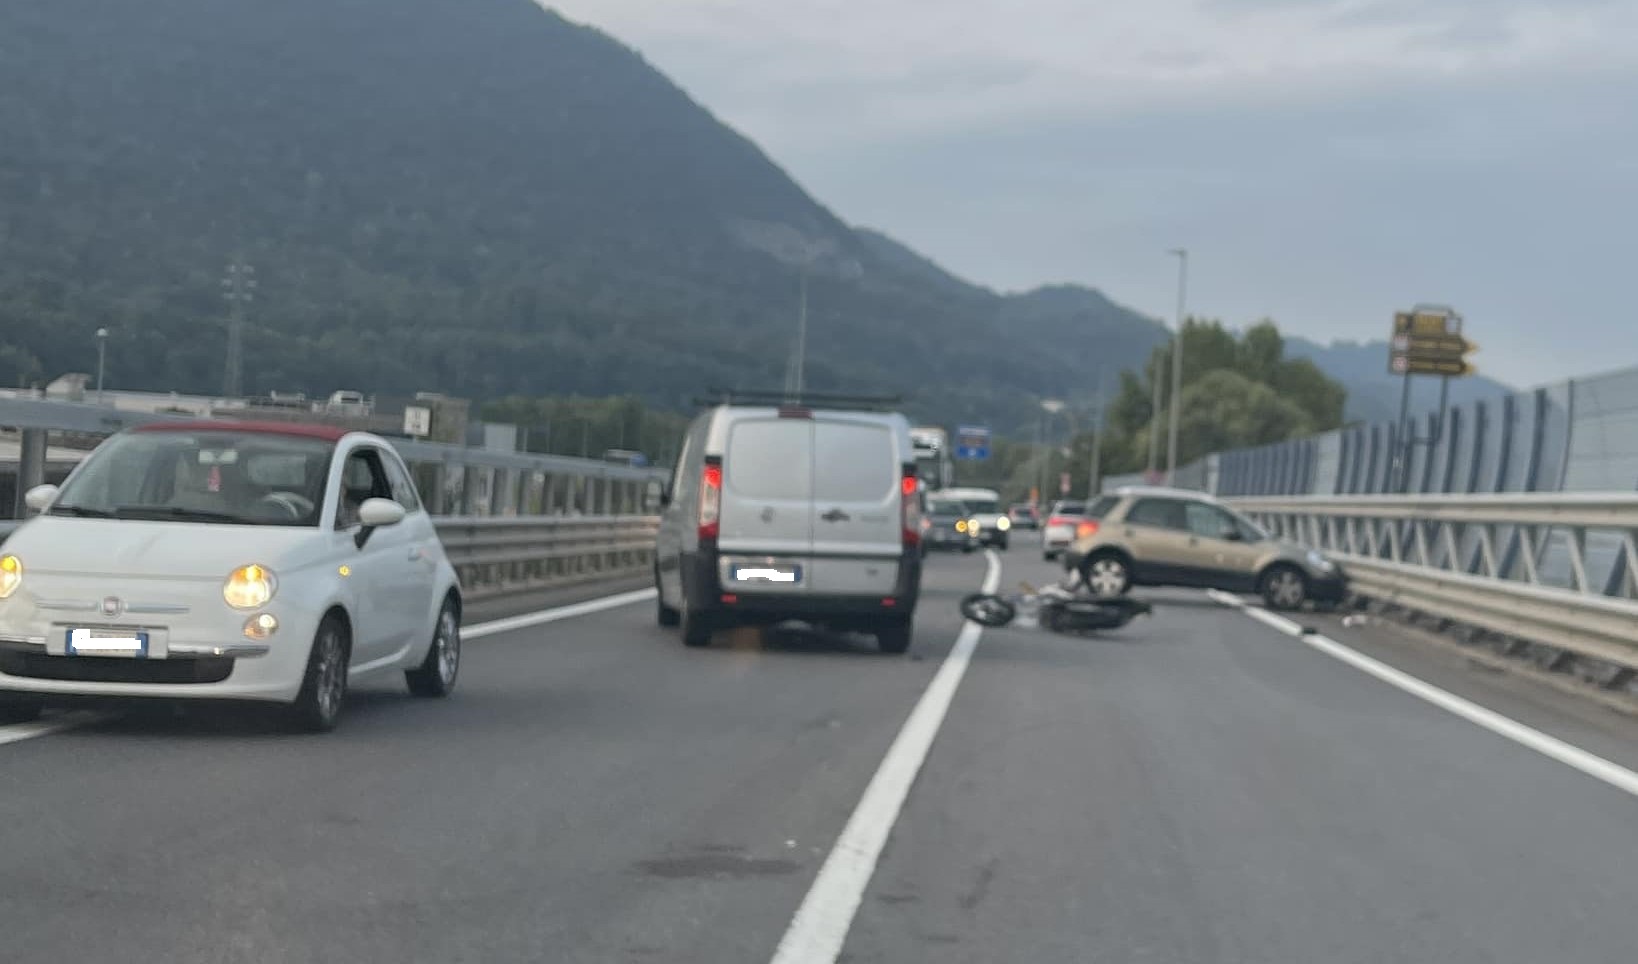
[{"x": 1238, "y": 390}]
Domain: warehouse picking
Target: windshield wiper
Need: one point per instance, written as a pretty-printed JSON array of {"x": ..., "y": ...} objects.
[
  {"x": 175, "y": 512},
  {"x": 83, "y": 511}
]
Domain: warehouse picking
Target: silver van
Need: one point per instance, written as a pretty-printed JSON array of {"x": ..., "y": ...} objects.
[{"x": 780, "y": 512}]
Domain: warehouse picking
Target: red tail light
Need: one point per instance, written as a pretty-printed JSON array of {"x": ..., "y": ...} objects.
[
  {"x": 910, "y": 508},
  {"x": 1058, "y": 520},
  {"x": 1087, "y": 528},
  {"x": 710, "y": 503}
]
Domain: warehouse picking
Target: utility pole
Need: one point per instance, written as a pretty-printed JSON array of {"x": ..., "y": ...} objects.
[
  {"x": 239, "y": 289},
  {"x": 1157, "y": 373},
  {"x": 1096, "y": 467},
  {"x": 1182, "y": 255},
  {"x": 799, "y": 366}
]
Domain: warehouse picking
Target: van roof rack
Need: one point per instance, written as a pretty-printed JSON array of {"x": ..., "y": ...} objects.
[{"x": 740, "y": 396}]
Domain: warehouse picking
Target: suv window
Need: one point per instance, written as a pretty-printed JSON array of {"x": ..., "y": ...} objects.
[
  {"x": 1160, "y": 513},
  {"x": 361, "y": 478},
  {"x": 1208, "y": 521},
  {"x": 1102, "y": 507}
]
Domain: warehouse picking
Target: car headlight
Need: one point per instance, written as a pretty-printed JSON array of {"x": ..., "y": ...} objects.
[
  {"x": 11, "y": 575},
  {"x": 961, "y": 525},
  {"x": 1003, "y": 523},
  {"x": 972, "y": 525},
  {"x": 1319, "y": 562},
  {"x": 249, "y": 586}
]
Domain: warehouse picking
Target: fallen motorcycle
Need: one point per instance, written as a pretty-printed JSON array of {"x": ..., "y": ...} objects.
[{"x": 1054, "y": 608}]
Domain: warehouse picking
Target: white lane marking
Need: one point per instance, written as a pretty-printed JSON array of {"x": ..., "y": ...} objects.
[
  {"x": 526, "y": 620},
  {"x": 18, "y": 732},
  {"x": 1568, "y": 754},
  {"x": 819, "y": 929}
]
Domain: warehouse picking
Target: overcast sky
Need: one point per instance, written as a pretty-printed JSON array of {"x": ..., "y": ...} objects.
[{"x": 1325, "y": 161}]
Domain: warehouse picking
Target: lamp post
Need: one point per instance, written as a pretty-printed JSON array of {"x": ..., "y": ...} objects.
[
  {"x": 1182, "y": 255},
  {"x": 1050, "y": 407},
  {"x": 102, "y": 357}
]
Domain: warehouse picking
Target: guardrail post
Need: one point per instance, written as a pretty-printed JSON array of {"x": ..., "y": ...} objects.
[{"x": 31, "y": 464}]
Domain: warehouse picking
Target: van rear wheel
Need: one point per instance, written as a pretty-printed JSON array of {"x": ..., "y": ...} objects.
[
  {"x": 893, "y": 634},
  {"x": 667, "y": 616},
  {"x": 696, "y": 629}
]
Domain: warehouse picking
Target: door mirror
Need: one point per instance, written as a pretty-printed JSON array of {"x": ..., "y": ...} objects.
[
  {"x": 1233, "y": 534},
  {"x": 375, "y": 513},
  {"x": 40, "y": 497}
]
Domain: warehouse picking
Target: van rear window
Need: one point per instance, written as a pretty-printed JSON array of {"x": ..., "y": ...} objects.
[
  {"x": 770, "y": 459},
  {"x": 854, "y": 463}
]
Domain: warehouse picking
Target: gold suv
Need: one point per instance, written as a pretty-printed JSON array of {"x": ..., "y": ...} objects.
[{"x": 1170, "y": 537}]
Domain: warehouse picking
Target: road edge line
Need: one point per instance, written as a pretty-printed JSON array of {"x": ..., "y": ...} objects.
[
  {"x": 541, "y": 617},
  {"x": 821, "y": 924},
  {"x": 1527, "y": 736}
]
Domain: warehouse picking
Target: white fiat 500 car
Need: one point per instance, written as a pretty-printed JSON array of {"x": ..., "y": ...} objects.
[{"x": 238, "y": 561}]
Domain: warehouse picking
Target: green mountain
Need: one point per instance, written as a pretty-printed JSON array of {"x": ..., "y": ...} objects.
[
  {"x": 470, "y": 196},
  {"x": 1373, "y": 393}
]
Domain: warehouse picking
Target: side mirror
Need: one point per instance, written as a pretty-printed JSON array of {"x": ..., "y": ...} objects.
[
  {"x": 1234, "y": 535},
  {"x": 374, "y": 514},
  {"x": 40, "y": 497}
]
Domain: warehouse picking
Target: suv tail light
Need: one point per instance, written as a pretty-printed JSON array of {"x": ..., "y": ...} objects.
[
  {"x": 1086, "y": 528},
  {"x": 710, "y": 502},
  {"x": 910, "y": 508}
]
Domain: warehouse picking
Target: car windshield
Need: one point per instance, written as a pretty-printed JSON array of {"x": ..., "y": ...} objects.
[
  {"x": 1069, "y": 508},
  {"x": 946, "y": 509},
  {"x": 984, "y": 505},
  {"x": 223, "y": 477}
]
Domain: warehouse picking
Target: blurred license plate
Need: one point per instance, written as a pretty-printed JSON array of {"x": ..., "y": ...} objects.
[
  {"x": 107, "y": 642},
  {"x": 769, "y": 573}
]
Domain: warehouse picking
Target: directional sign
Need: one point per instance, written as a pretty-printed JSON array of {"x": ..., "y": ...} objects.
[
  {"x": 1428, "y": 341},
  {"x": 1425, "y": 365},
  {"x": 972, "y": 443}
]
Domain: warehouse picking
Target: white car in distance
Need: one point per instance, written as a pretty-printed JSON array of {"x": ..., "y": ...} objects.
[{"x": 265, "y": 562}]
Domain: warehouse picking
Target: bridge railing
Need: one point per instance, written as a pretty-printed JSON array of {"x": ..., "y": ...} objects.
[
  {"x": 501, "y": 556},
  {"x": 1556, "y": 569}
]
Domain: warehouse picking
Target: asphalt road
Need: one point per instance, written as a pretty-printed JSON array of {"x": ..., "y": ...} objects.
[{"x": 1195, "y": 788}]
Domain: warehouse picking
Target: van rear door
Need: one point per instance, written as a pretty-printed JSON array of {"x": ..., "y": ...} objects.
[
  {"x": 767, "y": 503},
  {"x": 857, "y": 516}
]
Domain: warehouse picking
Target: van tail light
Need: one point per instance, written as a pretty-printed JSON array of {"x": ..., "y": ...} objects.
[
  {"x": 910, "y": 508},
  {"x": 1085, "y": 529},
  {"x": 710, "y": 502}
]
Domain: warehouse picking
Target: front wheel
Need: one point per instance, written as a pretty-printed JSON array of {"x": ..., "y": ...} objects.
[
  {"x": 324, "y": 685},
  {"x": 1285, "y": 588},
  {"x": 1106, "y": 576},
  {"x": 987, "y": 609},
  {"x": 435, "y": 676}
]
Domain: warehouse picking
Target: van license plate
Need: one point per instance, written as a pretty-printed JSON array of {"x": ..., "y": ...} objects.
[
  {"x": 107, "y": 642},
  {"x": 769, "y": 573}
]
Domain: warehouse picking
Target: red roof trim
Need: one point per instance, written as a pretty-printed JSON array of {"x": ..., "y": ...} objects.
[{"x": 328, "y": 433}]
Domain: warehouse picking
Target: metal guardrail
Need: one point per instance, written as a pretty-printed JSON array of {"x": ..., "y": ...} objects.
[
  {"x": 1520, "y": 566},
  {"x": 503, "y": 556}
]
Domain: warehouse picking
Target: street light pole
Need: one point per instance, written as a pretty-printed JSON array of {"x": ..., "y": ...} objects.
[
  {"x": 1097, "y": 445},
  {"x": 1050, "y": 407},
  {"x": 1177, "y": 362},
  {"x": 102, "y": 356},
  {"x": 798, "y": 377}
]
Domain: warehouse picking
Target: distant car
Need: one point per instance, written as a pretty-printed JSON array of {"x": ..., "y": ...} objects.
[
  {"x": 947, "y": 525},
  {"x": 1025, "y": 516},
  {"x": 1064, "y": 520},
  {"x": 1168, "y": 537},
  {"x": 216, "y": 560},
  {"x": 993, "y": 524}
]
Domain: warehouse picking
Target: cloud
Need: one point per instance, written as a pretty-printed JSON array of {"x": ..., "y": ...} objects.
[{"x": 1326, "y": 161}]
